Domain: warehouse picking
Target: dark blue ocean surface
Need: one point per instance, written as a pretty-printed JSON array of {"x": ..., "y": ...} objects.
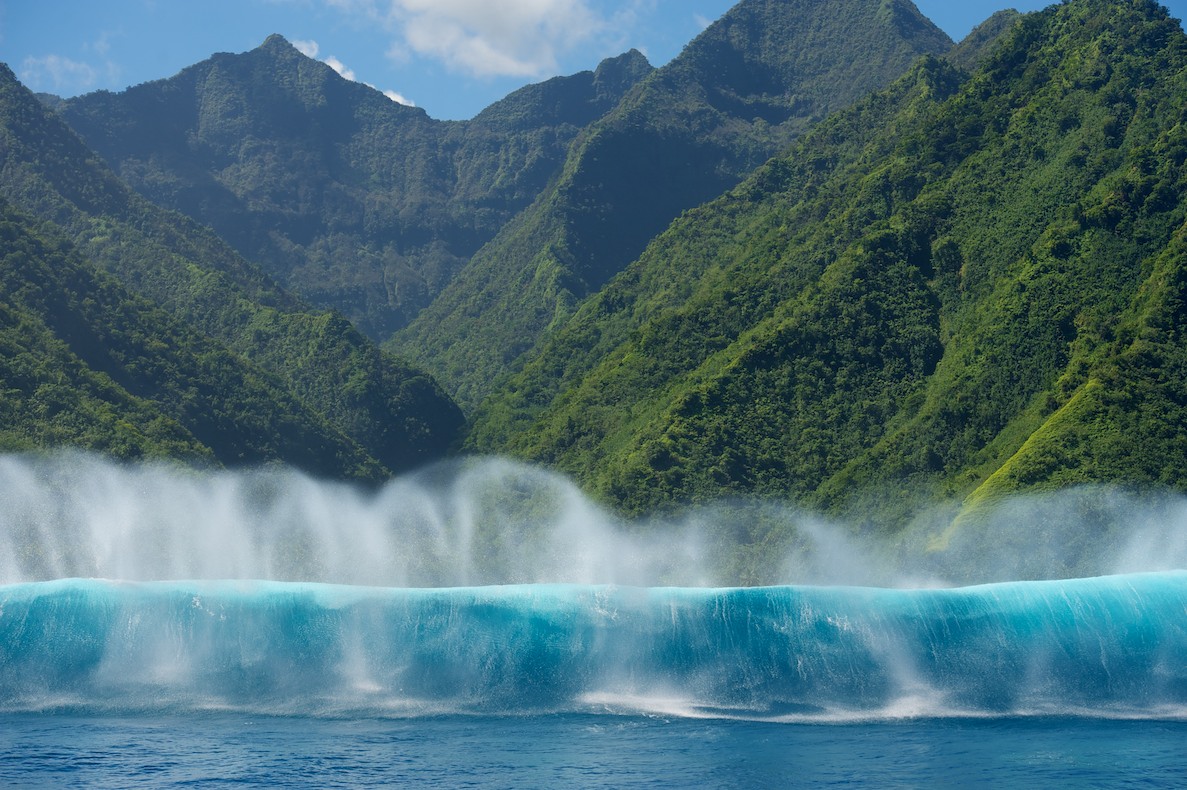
[{"x": 588, "y": 751}]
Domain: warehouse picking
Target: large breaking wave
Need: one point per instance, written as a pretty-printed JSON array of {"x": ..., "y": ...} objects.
[
  {"x": 1109, "y": 646},
  {"x": 495, "y": 588}
]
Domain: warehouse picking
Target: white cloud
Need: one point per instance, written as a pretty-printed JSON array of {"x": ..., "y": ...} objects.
[
  {"x": 521, "y": 38},
  {"x": 484, "y": 38},
  {"x": 102, "y": 45},
  {"x": 340, "y": 67},
  {"x": 307, "y": 48},
  {"x": 57, "y": 74},
  {"x": 398, "y": 98},
  {"x": 702, "y": 21},
  {"x": 488, "y": 38},
  {"x": 310, "y": 49}
]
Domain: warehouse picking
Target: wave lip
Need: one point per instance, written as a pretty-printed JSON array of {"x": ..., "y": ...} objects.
[{"x": 1110, "y": 646}]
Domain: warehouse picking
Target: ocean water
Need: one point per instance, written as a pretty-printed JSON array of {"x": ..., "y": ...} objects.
[
  {"x": 1068, "y": 683},
  {"x": 585, "y": 751},
  {"x": 491, "y": 628}
]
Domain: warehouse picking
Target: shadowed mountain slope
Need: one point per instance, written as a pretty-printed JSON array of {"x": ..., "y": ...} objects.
[
  {"x": 86, "y": 364},
  {"x": 748, "y": 85},
  {"x": 347, "y": 198},
  {"x": 382, "y": 414}
]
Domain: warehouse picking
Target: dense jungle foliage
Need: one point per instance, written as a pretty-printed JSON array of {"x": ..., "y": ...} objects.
[
  {"x": 966, "y": 285},
  {"x": 387, "y": 416},
  {"x": 89, "y": 365}
]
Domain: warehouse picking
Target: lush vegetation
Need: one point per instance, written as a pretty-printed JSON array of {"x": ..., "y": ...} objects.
[
  {"x": 966, "y": 285},
  {"x": 275, "y": 380},
  {"x": 749, "y": 84},
  {"x": 87, "y": 364},
  {"x": 51, "y": 397}
]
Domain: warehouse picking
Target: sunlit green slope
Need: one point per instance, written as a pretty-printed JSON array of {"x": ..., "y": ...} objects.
[{"x": 968, "y": 284}]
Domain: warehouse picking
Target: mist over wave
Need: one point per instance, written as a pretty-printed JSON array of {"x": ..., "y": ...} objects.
[
  {"x": 464, "y": 524},
  {"x": 494, "y": 521}
]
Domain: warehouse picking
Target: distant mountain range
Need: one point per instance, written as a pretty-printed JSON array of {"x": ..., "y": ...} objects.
[
  {"x": 349, "y": 199},
  {"x": 825, "y": 255}
]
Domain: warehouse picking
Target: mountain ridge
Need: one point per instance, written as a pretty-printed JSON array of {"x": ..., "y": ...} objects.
[
  {"x": 351, "y": 200},
  {"x": 739, "y": 92}
]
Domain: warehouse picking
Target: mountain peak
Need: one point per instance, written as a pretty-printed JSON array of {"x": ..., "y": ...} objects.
[
  {"x": 980, "y": 41},
  {"x": 278, "y": 48},
  {"x": 278, "y": 42},
  {"x": 632, "y": 59},
  {"x": 779, "y": 59},
  {"x": 906, "y": 19},
  {"x": 616, "y": 75}
]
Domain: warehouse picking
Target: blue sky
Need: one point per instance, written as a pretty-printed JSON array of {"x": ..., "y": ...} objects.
[{"x": 452, "y": 57}]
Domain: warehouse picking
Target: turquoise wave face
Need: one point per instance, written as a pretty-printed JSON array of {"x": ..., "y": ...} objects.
[{"x": 1107, "y": 646}]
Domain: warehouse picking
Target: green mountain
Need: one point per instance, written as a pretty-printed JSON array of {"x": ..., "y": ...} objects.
[
  {"x": 962, "y": 275},
  {"x": 251, "y": 373},
  {"x": 86, "y": 364},
  {"x": 350, "y": 200},
  {"x": 964, "y": 286},
  {"x": 748, "y": 85},
  {"x": 50, "y": 395},
  {"x": 979, "y": 43}
]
